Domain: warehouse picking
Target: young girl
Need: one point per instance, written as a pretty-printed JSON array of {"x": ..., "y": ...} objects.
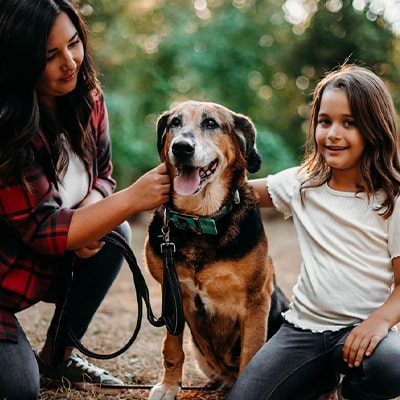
[
  {"x": 56, "y": 199},
  {"x": 344, "y": 200}
]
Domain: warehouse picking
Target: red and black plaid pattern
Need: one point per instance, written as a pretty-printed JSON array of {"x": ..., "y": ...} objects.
[{"x": 34, "y": 226}]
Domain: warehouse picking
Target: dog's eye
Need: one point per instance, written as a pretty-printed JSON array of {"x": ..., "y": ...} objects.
[
  {"x": 210, "y": 123},
  {"x": 176, "y": 122}
]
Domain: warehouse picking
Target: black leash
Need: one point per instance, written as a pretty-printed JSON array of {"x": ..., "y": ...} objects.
[{"x": 172, "y": 309}]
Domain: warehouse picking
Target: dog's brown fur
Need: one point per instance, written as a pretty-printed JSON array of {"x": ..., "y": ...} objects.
[{"x": 226, "y": 279}]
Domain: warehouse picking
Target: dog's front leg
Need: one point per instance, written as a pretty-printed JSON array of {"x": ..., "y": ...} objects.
[
  {"x": 253, "y": 334},
  {"x": 173, "y": 357}
]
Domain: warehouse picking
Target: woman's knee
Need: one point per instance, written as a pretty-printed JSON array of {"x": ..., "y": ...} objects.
[
  {"x": 125, "y": 231},
  {"x": 16, "y": 390},
  {"x": 110, "y": 259},
  {"x": 19, "y": 372},
  {"x": 19, "y": 375}
]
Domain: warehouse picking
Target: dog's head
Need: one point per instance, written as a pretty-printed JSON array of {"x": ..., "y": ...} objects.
[{"x": 204, "y": 143}]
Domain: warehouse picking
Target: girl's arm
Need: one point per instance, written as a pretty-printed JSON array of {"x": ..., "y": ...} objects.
[
  {"x": 364, "y": 338},
  {"x": 259, "y": 186}
]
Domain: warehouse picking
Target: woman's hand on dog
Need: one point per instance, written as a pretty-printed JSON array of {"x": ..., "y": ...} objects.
[
  {"x": 92, "y": 222},
  {"x": 152, "y": 189}
]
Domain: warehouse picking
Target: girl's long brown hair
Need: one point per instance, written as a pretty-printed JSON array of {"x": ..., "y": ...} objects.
[{"x": 374, "y": 113}]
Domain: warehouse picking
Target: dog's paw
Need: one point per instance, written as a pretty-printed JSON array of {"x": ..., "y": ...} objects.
[{"x": 163, "y": 392}]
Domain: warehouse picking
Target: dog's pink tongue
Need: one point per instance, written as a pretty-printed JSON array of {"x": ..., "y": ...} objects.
[{"x": 187, "y": 183}]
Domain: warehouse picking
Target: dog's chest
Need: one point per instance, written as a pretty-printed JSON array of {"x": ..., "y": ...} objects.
[
  {"x": 214, "y": 271},
  {"x": 214, "y": 290}
]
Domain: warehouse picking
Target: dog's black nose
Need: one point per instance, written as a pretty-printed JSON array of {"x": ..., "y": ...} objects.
[{"x": 182, "y": 149}]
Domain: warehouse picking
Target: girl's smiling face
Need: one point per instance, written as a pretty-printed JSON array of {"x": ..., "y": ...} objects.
[
  {"x": 65, "y": 54},
  {"x": 338, "y": 138}
]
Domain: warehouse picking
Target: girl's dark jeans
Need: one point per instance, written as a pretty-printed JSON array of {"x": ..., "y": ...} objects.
[{"x": 298, "y": 364}]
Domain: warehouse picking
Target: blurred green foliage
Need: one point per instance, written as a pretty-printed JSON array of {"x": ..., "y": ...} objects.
[{"x": 244, "y": 54}]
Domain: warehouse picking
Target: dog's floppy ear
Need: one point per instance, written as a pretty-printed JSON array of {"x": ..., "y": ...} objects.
[
  {"x": 247, "y": 128},
  {"x": 162, "y": 130}
]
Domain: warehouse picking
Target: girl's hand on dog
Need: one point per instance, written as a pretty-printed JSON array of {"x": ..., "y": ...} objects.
[{"x": 152, "y": 189}]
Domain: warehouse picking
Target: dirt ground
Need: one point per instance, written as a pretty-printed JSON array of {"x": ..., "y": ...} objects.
[{"x": 140, "y": 366}]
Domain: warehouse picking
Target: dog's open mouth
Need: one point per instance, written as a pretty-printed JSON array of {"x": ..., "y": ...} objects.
[{"x": 189, "y": 179}]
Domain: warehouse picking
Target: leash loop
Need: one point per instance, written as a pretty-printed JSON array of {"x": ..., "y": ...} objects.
[{"x": 172, "y": 309}]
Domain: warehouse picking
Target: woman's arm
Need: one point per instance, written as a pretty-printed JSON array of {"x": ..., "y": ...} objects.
[
  {"x": 92, "y": 222},
  {"x": 96, "y": 216}
]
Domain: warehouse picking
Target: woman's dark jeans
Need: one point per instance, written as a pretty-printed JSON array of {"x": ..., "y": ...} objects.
[{"x": 19, "y": 375}]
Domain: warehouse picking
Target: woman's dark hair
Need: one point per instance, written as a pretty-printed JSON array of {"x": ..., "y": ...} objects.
[
  {"x": 374, "y": 114},
  {"x": 25, "y": 27}
]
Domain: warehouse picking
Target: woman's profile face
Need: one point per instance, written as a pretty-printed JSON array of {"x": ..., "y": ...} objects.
[{"x": 65, "y": 54}]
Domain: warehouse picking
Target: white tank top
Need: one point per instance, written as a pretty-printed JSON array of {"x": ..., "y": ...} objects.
[{"x": 75, "y": 183}]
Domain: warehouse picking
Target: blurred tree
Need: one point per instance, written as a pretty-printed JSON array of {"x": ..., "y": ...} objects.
[
  {"x": 241, "y": 53},
  {"x": 336, "y": 33}
]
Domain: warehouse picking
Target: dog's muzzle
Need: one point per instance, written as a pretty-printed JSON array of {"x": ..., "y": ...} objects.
[{"x": 189, "y": 180}]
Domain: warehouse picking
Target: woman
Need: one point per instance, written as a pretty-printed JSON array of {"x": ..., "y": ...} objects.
[{"x": 56, "y": 197}]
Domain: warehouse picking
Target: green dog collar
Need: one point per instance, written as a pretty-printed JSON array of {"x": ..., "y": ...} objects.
[
  {"x": 198, "y": 224},
  {"x": 192, "y": 223}
]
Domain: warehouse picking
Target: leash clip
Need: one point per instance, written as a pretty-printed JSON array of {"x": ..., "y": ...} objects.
[{"x": 166, "y": 243}]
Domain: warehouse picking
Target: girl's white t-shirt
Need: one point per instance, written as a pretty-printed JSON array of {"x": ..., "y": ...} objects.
[{"x": 346, "y": 249}]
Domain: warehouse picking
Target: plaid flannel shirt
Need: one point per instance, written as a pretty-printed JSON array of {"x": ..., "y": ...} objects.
[{"x": 34, "y": 225}]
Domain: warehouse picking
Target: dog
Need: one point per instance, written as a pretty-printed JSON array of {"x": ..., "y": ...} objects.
[{"x": 230, "y": 298}]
